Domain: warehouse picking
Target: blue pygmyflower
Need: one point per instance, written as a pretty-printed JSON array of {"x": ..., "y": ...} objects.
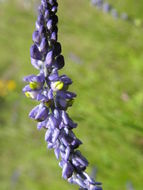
[{"x": 51, "y": 91}]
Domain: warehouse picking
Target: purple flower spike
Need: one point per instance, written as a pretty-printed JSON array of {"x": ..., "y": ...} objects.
[{"x": 51, "y": 90}]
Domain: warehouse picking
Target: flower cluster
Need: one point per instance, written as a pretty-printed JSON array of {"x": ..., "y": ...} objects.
[
  {"x": 51, "y": 91},
  {"x": 106, "y": 7}
]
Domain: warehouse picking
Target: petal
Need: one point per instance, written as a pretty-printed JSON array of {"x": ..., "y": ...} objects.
[
  {"x": 71, "y": 124},
  {"x": 54, "y": 36},
  {"x": 36, "y": 63},
  {"x": 65, "y": 117},
  {"x": 66, "y": 80},
  {"x": 42, "y": 114},
  {"x": 41, "y": 125},
  {"x": 59, "y": 62},
  {"x": 40, "y": 19},
  {"x": 49, "y": 59},
  {"x": 55, "y": 135},
  {"x": 35, "y": 53},
  {"x": 67, "y": 170},
  {"x": 33, "y": 112},
  {"x": 36, "y": 37},
  {"x": 54, "y": 77},
  {"x": 57, "y": 49},
  {"x": 26, "y": 89},
  {"x": 28, "y": 78},
  {"x": 62, "y": 102},
  {"x": 49, "y": 24},
  {"x": 44, "y": 45},
  {"x": 42, "y": 98},
  {"x": 66, "y": 95},
  {"x": 54, "y": 9},
  {"x": 80, "y": 183},
  {"x": 61, "y": 163},
  {"x": 47, "y": 14},
  {"x": 50, "y": 94},
  {"x": 57, "y": 153},
  {"x": 76, "y": 143},
  {"x": 67, "y": 153},
  {"x": 48, "y": 135}
]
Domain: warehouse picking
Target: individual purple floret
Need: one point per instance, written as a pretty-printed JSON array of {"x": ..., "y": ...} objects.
[
  {"x": 106, "y": 7},
  {"x": 51, "y": 91},
  {"x": 97, "y": 3}
]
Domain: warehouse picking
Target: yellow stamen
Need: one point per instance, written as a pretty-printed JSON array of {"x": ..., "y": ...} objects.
[
  {"x": 34, "y": 85},
  {"x": 57, "y": 85},
  {"x": 30, "y": 95},
  {"x": 27, "y": 94}
]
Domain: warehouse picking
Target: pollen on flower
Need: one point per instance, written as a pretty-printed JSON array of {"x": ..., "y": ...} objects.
[
  {"x": 30, "y": 95},
  {"x": 27, "y": 94},
  {"x": 58, "y": 85},
  {"x": 34, "y": 85}
]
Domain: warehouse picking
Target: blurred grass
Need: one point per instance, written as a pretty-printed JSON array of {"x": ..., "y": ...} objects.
[{"x": 109, "y": 106}]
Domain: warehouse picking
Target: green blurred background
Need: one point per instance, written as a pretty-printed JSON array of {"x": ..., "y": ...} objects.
[{"x": 104, "y": 58}]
